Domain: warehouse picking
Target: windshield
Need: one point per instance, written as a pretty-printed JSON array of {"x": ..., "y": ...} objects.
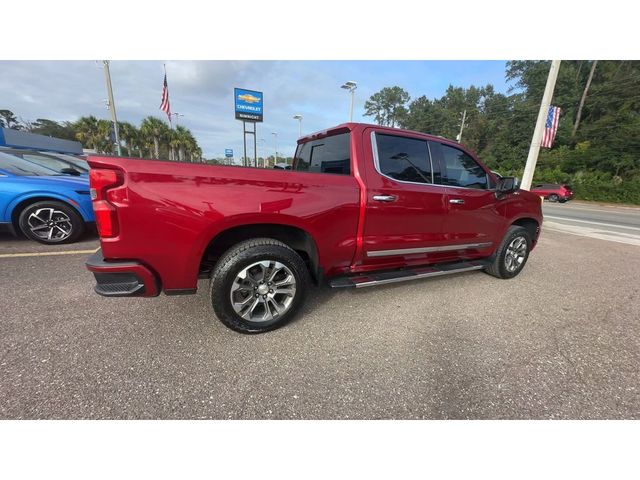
[{"x": 18, "y": 166}]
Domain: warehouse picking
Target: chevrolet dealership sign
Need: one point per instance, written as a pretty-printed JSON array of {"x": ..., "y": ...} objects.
[{"x": 248, "y": 105}]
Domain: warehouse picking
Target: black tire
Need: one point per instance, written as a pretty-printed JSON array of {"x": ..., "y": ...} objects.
[
  {"x": 59, "y": 215},
  {"x": 239, "y": 258},
  {"x": 563, "y": 200},
  {"x": 499, "y": 266},
  {"x": 553, "y": 197}
]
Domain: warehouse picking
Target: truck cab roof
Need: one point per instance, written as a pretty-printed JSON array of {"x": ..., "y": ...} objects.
[{"x": 350, "y": 126}]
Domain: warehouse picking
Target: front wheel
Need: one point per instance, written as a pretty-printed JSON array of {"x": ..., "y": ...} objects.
[
  {"x": 258, "y": 285},
  {"x": 512, "y": 254},
  {"x": 51, "y": 222},
  {"x": 553, "y": 197}
]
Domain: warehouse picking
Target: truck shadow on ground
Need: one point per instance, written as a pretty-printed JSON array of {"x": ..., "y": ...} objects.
[{"x": 319, "y": 296}]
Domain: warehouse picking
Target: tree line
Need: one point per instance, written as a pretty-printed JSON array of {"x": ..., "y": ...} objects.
[
  {"x": 597, "y": 147},
  {"x": 154, "y": 138}
]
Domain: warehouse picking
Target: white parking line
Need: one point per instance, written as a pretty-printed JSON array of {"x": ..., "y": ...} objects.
[
  {"x": 617, "y": 210},
  {"x": 45, "y": 254},
  {"x": 615, "y": 225},
  {"x": 609, "y": 236}
]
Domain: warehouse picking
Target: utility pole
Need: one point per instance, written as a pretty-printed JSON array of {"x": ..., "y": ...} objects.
[
  {"x": 112, "y": 105},
  {"x": 532, "y": 158},
  {"x": 584, "y": 97},
  {"x": 464, "y": 117}
]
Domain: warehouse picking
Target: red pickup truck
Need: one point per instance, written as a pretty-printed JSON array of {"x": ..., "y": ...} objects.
[{"x": 362, "y": 205}]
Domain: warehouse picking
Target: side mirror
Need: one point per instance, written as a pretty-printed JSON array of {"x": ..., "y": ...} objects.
[
  {"x": 506, "y": 185},
  {"x": 69, "y": 171}
]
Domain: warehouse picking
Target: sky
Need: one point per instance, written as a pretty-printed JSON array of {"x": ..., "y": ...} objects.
[{"x": 202, "y": 91}]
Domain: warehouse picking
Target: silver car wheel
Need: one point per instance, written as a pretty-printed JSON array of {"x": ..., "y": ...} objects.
[
  {"x": 263, "y": 291},
  {"x": 50, "y": 224},
  {"x": 515, "y": 254}
]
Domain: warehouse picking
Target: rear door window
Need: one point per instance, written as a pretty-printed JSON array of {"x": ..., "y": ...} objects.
[
  {"x": 403, "y": 158},
  {"x": 325, "y": 155}
]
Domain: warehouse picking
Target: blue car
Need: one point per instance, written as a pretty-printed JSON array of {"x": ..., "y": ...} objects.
[{"x": 44, "y": 205}]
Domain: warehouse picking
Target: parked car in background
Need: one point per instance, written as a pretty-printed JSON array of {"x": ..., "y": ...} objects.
[
  {"x": 44, "y": 205},
  {"x": 282, "y": 166},
  {"x": 553, "y": 192},
  {"x": 55, "y": 162}
]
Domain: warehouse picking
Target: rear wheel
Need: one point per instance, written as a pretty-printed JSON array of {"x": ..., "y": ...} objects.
[
  {"x": 512, "y": 254},
  {"x": 258, "y": 285},
  {"x": 51, "y": 222},
  {"x": 553, "y": 197}
]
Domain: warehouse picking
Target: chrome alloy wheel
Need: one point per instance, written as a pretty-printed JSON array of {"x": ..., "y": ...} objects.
[
  {"x": 516, "y": 253},
  {"x": 50, "y": 224},
  {"x": 263, "y": 291}
]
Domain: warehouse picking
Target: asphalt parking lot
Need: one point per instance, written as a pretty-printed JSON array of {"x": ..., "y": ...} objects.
[{"x": 562, "y": 340}]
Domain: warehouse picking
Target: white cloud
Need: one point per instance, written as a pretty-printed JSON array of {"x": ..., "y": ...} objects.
[{"x": 203, "y": 92}]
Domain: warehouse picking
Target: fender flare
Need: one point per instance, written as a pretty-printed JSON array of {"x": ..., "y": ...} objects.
[{"x": 42, "y": 194}]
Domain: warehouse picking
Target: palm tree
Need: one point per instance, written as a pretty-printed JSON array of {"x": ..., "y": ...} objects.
[
  {"x": 131, "y": 135},
  {"x": 194, "y": 150},
  {"x": 183, "y": 136},
  {"x": 154, "y": 129},
  {"x": 106, "y": 138},
  {"x": 197, "y": 153},
  {"x": 187, "y": 144},
  {"x": 174, "y": 144},
  {"x": 90, "y": 132},
  {"x": 9, "y": 120}
]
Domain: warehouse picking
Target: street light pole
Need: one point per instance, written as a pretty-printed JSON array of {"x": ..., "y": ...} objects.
[
  {"x": 299, "y": 118},
  {"x": 112, "y": 105},
  {"x": 275, "y": 137},
  {"x": 176, "y": 114},
  {"x": 532, "y": 158},
  {"x": 351, "y": 87},
  {"x": 263, "y": 142}
]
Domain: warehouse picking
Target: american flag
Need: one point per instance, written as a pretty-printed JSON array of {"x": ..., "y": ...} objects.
[
  {"x": 551, "y": 127},
  {"x": 164, "y": 105}
]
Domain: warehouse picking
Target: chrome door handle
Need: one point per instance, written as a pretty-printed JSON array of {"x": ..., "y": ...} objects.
[
  {"x": 385, "y": 198},
  {"x": 456, "y": 201}
]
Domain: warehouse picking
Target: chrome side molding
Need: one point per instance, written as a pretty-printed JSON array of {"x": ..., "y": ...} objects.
[{"x": 442, "y": 248}]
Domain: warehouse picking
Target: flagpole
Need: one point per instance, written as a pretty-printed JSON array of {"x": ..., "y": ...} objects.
[
  {"x": 532, "y": 158},
  {"x": 164, "y": 66}
]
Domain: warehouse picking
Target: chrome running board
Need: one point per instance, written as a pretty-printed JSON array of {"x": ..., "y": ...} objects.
[{"x": 362, "y": 280}]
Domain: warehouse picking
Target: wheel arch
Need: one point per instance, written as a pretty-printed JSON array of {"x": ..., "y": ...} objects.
[
  {"x": 23, "y": 203},
  {"x": 531, "y": 225},
  {"x": 296, "y": 238}
]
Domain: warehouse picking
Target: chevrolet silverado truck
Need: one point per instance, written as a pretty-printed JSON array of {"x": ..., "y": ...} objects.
[{"x": 362, "y": 205}]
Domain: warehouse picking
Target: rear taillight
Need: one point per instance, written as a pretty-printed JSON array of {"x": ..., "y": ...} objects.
[{"x": 101, "y": 181}]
